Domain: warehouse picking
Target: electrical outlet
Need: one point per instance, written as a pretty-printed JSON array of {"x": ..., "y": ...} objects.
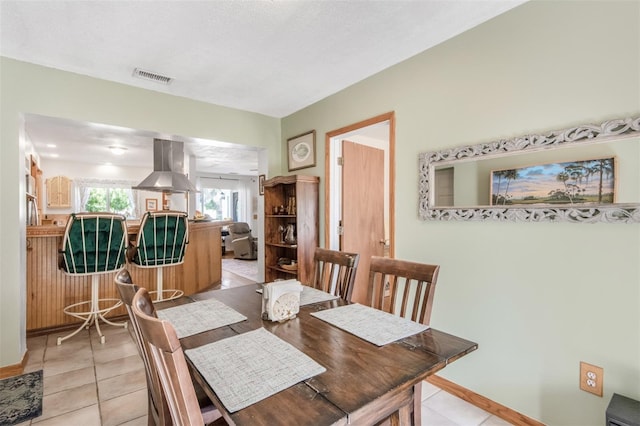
[{"x": 591, "y": 378}]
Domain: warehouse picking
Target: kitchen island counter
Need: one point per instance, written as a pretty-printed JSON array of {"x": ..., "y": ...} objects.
[{"x": 49, "y": 290}]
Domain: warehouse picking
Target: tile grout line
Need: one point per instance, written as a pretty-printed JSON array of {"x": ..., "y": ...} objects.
[
  {"x": 43, "y": 362},
  {"x": 95, "y": 379}
]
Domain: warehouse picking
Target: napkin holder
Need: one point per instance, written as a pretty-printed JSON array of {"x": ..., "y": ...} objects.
[{"x": 281, "y": 300}]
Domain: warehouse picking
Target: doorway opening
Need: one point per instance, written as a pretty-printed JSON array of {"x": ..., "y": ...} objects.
[{"x": 354, "y": 178}]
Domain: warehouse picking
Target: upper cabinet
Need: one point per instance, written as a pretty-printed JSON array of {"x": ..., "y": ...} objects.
[
  {"x": 58, "y": 192},
  {"x": 290, "y": 227}
]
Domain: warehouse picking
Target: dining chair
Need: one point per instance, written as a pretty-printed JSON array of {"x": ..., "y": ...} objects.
[
  {"x": 404, "y": 288},
  {"x": 158, "y": 408},
  {"x": 162, "y": 241},
  {"x": 334, "y": 272},
  {"x": 93, "y": 244}
]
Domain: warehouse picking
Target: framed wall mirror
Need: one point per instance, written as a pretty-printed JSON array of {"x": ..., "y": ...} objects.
[{"x": 584, "y": 174}]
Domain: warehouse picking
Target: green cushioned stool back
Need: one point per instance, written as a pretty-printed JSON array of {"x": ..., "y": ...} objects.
[
  {"x": 162, "y": 239},
  {"x": 94, "y": 243}
]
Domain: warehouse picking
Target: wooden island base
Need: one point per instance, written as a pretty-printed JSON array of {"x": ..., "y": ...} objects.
[{"x": 49, "y": 290}]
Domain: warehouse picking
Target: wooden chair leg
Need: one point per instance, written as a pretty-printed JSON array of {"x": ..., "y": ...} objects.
[
  {"x": 417, "y": 404},
  {"x": 402, "y": 417}
]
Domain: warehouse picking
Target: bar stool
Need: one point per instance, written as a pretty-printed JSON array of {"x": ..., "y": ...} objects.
[
  {"x": 93, "y": 244},
  {"x": 162, "y": 241}
]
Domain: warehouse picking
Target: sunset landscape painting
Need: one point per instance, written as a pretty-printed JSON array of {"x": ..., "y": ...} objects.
[{"x": 574, "y": 182}]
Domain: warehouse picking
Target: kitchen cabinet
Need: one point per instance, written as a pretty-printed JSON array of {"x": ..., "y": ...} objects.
[
  {"x": 290, "y": 227},
  {"x": 58, "y": 192}
]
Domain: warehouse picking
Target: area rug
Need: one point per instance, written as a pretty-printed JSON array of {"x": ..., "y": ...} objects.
[
  {"x": 245, "y": 268},
  {"x": 20, "y": 398}
]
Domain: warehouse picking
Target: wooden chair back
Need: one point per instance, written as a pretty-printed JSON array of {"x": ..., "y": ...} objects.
[
  {"x": 158, "y": 409},
  {"x": 409, "y": 294},
  {"x": 171, "y": 365},
  {"x": 335, "y": 272},
  {"x": 410, "y": 291}
]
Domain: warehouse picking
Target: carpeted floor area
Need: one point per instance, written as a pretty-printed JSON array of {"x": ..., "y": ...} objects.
[
  {"x": 20, "y": 398},
  {"x": 245, "y": 268}
]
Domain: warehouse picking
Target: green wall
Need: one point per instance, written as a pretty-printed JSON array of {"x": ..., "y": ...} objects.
[
  {"x": 28, "y": 88},
  {"x": 537, "y": 297}
]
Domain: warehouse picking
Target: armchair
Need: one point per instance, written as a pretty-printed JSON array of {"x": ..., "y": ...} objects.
[{"x": 245, "y": 245}]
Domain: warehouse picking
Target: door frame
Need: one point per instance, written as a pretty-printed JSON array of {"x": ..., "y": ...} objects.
[{"x": 329, "y": 172}]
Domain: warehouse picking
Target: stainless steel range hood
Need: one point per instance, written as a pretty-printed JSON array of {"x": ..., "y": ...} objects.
[{"x": 168, "y": 169}]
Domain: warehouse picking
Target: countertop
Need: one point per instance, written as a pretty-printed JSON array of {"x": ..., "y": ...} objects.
[{"x": 132, "y": 227}]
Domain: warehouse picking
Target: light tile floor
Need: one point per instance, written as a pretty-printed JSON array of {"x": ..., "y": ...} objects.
[
  {"x": 87, "y": 383},
  {"x": 440, "y": 408}
]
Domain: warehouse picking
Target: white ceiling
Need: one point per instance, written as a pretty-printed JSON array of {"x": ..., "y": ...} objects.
[
  {"x": 89, "y": 143},
  {"x": 270, "y": 57}
]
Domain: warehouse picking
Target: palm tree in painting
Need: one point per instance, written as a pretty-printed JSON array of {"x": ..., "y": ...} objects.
[
  {"x": 509, "y": 175},
  {"x": 496, "y": 193},
  {"x": 601, "y": 168},
  {"x": 578, "y": 172},
  {"x": 573, "y": 177},
  {"x": 564, "y": 177}
]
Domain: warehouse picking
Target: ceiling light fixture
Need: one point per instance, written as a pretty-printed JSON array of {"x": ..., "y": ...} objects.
[{"x": 117, "y": 150}]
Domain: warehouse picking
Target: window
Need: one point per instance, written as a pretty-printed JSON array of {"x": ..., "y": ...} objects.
[
  {"x": 218, "y": 203},
  {"x": 106, "y": 195},
  {"x": 114, "y": 200},
  {"x": 222, "y": 198}
]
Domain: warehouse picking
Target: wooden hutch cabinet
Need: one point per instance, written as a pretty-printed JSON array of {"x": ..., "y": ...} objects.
[
  {"x": 59, "y": 192},
  {"x": 291, "y": 210}
]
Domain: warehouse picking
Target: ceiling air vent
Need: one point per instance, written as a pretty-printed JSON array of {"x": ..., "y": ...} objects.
[{"x": 148, "y": 75}]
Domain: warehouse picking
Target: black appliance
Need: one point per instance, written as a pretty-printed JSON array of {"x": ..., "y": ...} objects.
[{"x": 623, "y": 411}]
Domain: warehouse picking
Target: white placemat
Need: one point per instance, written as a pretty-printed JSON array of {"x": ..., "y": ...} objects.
[
  {"x": 197, "y": 317},
  {"x": 370, "y": 324},
  {"x": 250, "y": 367},
  {"x": 311, "y": 295}
]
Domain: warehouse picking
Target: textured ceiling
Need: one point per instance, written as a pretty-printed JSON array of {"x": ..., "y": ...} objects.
[
  {"x": 269, "y": 57},
  {"x": 88, "y": 143}
]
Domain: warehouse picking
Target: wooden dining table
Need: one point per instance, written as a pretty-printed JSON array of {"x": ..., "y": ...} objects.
[{"x": 363, "y": 384}]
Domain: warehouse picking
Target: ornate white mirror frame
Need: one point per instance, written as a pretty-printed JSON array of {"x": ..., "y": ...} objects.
[{"x": 584, "y": 213}]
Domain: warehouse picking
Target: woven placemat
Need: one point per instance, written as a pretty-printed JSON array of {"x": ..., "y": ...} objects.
[
  {"x": 372, "y": 325},
  {"x": 250, "y": 367},
  {"x": 198, "y": 317},
  {"x": 312, "y": 295}
]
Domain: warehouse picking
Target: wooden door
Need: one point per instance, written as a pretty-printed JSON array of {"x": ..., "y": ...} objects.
[{"x": 362, "y": 209}]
